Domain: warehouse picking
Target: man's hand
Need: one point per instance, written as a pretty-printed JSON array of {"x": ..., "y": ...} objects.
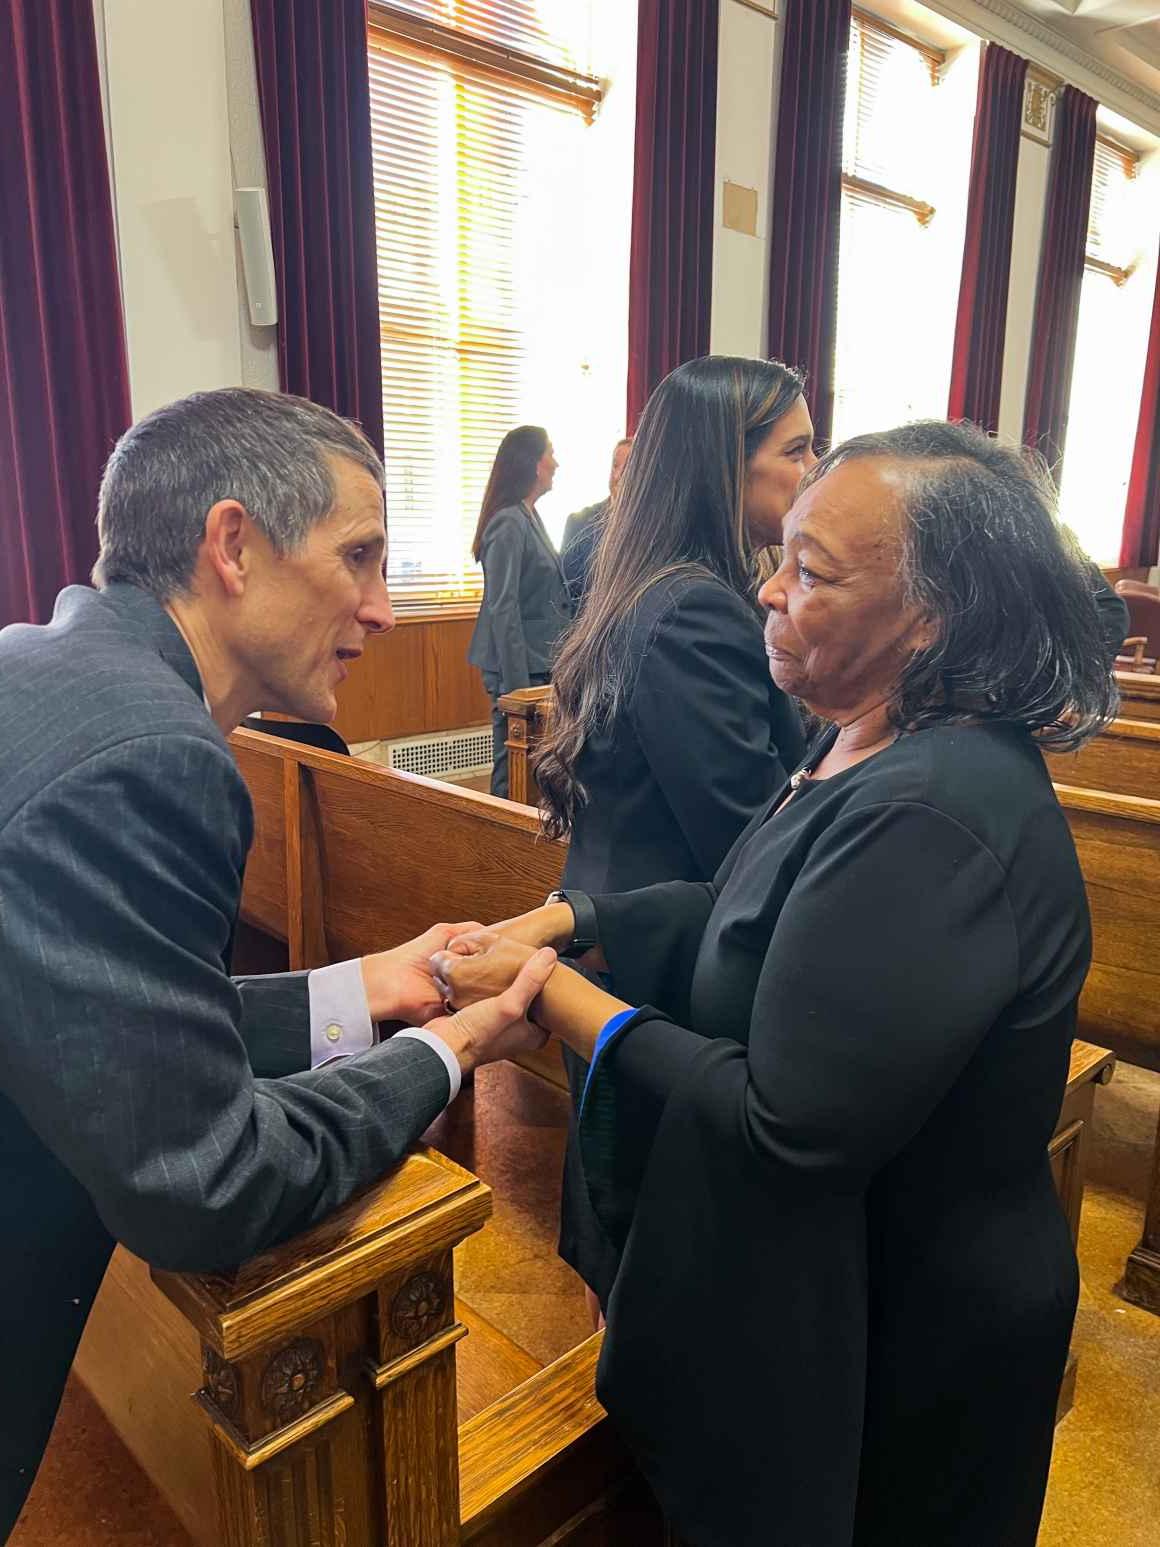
[
  {"x": 479, "y": 965},
  {"x": 497, "y": 1027},
  {"x": 399, "y": 985}
]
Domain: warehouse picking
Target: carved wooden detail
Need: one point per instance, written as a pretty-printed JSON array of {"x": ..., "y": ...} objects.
[
  {"x": 221, "y": 1383},
  {"x": 417, "y": 1309},
  {"x": 292, "y": 1380},
  {"x": 1039, "y": 98}
]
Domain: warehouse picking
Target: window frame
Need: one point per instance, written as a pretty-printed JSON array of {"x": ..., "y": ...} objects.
[
  {"x": 863, "y": 188},
  {"x": 423, "y": 41}
]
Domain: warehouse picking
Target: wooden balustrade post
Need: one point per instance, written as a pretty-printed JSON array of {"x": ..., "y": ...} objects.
[
  {"x": 527, "y": 710},
  {"x": 329, "y": 1372},
  {"x": 1141, "y": 1282}
]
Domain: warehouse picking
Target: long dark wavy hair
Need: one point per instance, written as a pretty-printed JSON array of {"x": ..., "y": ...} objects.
[
  {"x": 679, "y": 509},
  {"x": 1017, "y": 636},
  {"x": 513, "y": 475}
]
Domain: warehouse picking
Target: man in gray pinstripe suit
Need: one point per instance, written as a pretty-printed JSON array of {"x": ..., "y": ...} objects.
[{"x": 145, "y": 1096}]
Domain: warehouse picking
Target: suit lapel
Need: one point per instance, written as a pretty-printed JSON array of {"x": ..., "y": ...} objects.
[{"x": 542, "y": 533}]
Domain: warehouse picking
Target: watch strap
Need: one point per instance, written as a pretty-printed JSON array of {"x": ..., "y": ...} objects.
[{"x": 586, "y": 930}]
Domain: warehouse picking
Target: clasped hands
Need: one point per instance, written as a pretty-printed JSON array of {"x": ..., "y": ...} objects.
[{"x": 491, "y": 976}]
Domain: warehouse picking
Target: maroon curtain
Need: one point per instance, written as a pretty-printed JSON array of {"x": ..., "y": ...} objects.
[
  {"x": 314, "y": 89},
  {"x": 981, "y": 325},
  {"x": 1065, "y": 222},
  {"x": 64, "y": 378},
  {"x": 1141, "y": 540},
  {"x": 807, "y": 197},
  {"x": 674, "y": 185}
]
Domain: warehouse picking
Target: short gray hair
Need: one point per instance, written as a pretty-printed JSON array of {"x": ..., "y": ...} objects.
[{"x": 269, "y": 451}]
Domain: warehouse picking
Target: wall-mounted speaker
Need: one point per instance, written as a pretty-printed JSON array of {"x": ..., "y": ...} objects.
[{"x": 252, "y": 218}]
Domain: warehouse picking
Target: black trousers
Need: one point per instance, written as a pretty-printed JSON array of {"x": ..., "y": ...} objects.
[{"x": 60, "y": 1250}]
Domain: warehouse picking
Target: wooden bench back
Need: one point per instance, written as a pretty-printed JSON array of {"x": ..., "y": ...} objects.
[
  {"x": 1139, "y": 695},
  {"x": 349, "y": 857},
  {"x": 1117, "y": 838},
  {"x": 1123, "y": 760}
]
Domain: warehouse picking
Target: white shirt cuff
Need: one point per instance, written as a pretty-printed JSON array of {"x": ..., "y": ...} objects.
[
  {"x": 340, "y": 1018},
  {"x": 437, "y": 1045}
]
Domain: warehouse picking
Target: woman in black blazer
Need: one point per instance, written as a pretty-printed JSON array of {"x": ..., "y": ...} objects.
[
  {"x": 525, "y": 599},
  {"x": 668, "y": 732}
]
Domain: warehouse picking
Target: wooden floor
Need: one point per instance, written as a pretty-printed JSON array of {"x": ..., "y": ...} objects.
[{"x": 524, "y": 1307}]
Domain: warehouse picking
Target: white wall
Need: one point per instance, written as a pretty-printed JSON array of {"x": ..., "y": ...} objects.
[
  {"x": 170, "y": 117},
  {"x": 746, "y": 124},
  {"x": 1026, "y": 240}
]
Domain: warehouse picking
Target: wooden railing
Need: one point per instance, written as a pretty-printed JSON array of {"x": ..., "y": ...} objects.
[{"x": 325, "y": 1408}]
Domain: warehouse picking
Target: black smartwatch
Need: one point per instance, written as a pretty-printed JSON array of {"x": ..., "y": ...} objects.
[{"x": 585, "y": 934}]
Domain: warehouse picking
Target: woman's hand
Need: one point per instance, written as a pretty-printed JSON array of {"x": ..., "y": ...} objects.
[
  {"x": 497, "y": 1026},
  {"x": 553, "y": 925},
  {"x": 479, "y": 966},
  {"x": 567, "y": 1005}
]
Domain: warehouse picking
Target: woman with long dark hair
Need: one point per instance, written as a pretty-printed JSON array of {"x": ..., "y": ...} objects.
[
  {"x": 667, "y": 732},
  {"x": 525, "y": 600}
]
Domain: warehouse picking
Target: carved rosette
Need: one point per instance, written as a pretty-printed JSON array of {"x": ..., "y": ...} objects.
[
  {"x": 291, "y": 1380},
  {"x": 221, "y": 1382},
  {"x": 418, "y": 1307}
]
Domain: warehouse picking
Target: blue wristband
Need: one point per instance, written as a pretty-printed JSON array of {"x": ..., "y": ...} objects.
[{"x": 607, "y": 1032}]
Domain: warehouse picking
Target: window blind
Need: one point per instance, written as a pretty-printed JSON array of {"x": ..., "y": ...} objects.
[
  {"x": 888, "y": 81},
  {"x": 1111, "y": 229},
  {"x": 458, "y": 152},
  {"x": 556, "y": 32}
]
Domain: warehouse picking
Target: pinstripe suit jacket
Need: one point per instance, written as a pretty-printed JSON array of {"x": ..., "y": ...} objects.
[{"x": 145, "y": 1095}]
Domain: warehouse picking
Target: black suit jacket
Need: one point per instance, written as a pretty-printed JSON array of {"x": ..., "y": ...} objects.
[
  {"x": 145, "y": 1096},
  {"x": 578, "y": 548},
  {"x": 701, "y": 741}
]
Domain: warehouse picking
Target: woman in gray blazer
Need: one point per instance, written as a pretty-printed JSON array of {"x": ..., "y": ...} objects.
[{"x": 525, "y": 600}]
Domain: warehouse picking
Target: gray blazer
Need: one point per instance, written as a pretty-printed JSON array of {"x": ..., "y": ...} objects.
[
  {"x": 525, "y": 605},
  {"x": 144, "y": 1094}
]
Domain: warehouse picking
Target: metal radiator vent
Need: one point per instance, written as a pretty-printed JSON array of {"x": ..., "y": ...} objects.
[{"x": 449, "y": 752}]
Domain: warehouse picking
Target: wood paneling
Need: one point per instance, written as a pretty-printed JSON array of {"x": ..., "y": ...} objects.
[
  {"x": 413, "y": 680},
  {"x": 141, "y": 1360}
]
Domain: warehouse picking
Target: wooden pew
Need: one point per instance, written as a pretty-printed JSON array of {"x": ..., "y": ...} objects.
[
  {"x": 325, "y": 1406},
  {"x": 1123, "y": 760},
  {"x": 1117, "y": 838},
  {"x": 527, "y": 711},
  {"x": 350, "y": 857},
  {"x": 1139, "y": 695}
]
